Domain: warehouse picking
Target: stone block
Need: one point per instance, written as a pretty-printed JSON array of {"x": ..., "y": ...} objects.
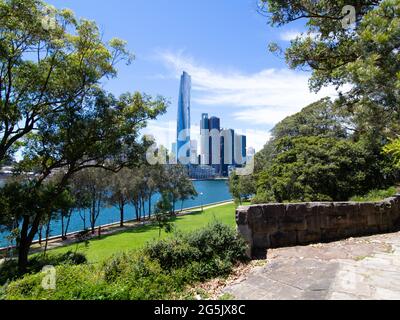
[
  {"x": 273, "y": 211},
  {"x": 308, "y": 237},
  {"x": 241, "y": 216},
  {"x": 283, "y": 239},
  {"x": 313, "y": 223},
  {"x": 261, "y": 240}
]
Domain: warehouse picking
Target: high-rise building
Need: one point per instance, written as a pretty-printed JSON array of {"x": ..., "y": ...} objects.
[
  {"x": 227, "y": 151},
  {"x": 183, "y": 124},
  {"x": 205, "y": 140},
  {"x": 193, "y": 153},
  {"x": 215, "y": 146},
  {"x": 240, "y": 150}
]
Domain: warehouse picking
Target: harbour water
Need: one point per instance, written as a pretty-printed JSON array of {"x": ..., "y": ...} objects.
[{"x": 209, "y": 192}]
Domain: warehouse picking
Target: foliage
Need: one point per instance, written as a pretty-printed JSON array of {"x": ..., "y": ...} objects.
[
  {"x": 163, "y": 213},
  {"x": 161, "y": 271},
  {"x": 241, "y": 187},
  {"x": 9, "y": 268},
  {"x": 316, "y": 155},
  {"x": 363, "y": 57},
  {"x": 178, "y": 184},
  {"x": 376, "y": 195},
  {"x": 393, "y": 149},
  {"x": 54, "y": 111},
  {"x": 314, "y": 169}
]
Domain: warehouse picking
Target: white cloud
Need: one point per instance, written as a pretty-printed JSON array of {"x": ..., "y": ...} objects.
[
  {"x": 256, "y": 138},
  {"x": 164, "y": 132},
  {"x": 290, "y": 35},
  {"x": 265, "y": 97}
]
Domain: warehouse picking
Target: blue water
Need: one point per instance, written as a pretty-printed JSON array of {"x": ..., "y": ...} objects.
[{"x": 213, "y": 191}]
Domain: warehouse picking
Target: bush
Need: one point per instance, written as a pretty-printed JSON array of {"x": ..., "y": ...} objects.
[
  {"x": 376, "y": 195},
  {"x": 161, "y": 270},
  {"x": 216, "y": 240},
  {"x": 9, "y": 269}
]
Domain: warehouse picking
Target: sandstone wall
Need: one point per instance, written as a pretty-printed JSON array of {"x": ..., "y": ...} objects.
[{"x": 278, "y": 225}]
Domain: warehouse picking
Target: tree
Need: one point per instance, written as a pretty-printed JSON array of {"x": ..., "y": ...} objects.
[
  {"x": 102, "y": 133},
  {"x": 94, "y": 184},
  {"x": 154, "y": 175},
  {"x": 119, "y": 191},
  {"x": 363, "y": 58},
  {"x": 164, "y": 212},
  {"x": 315, "y": 169},
  {"x": 178, "y": 184},
  {"x": 393, "y": 149},
  {"x": 46, "y": 69},
  {"x": 317, "y": 119},
  {"x": 241, "y": 187}
]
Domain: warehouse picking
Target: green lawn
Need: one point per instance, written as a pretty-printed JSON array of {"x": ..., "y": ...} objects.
[{"x": 100, "y": 249}]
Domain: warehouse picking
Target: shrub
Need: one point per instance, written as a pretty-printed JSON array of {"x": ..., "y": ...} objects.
[
  {"x": 376, "y": 195},
  {"x": 161, "y": 270},
  {"x": 9, "y": 269},
  {"x": 216, "y": 240}
]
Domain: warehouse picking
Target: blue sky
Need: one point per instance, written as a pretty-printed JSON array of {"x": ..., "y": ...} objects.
[{"x": 221, "y": 43}]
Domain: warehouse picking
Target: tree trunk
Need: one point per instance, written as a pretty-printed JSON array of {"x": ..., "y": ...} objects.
[
  {"x": 62, "y": 225},
  {"x": 121, "y": 212},
  {"x": 40, "y": 235},
  {"x": 150, "y": 195},
  {"x": 23, "y": 252},
  {"x": 47, "y": 237},
  {"x": 68, "y": 222},
  {"x": 25, "y": 241},
  {"x": 92, "y": 217}
]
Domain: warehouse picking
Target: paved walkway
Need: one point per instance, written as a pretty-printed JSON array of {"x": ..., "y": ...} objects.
[{"x": 354, "y": 269}]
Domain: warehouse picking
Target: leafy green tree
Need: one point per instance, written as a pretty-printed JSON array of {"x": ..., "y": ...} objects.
[
  {"x": 363, "y": 58},
  {"x": 118, "y": 191},
  {"x": 242, "y": 187},
  {"x": 93, "y": 183},
  {"x": 54, "y": 111},
  {"x": 393, "y": 149},
  {"x": 317, "y": 119},
  {"x": 163, "y": 213},
  {"x": 315, "y": 169},
  {"x": 46, "y": 69},
  {"x": 178, "y": 184}
]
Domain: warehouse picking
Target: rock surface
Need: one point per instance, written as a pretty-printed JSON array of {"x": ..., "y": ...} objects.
[{"x": 357, "y": 268}]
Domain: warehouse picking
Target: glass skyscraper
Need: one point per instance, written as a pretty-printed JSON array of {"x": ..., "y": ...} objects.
[{"x": 183, "y": 125}]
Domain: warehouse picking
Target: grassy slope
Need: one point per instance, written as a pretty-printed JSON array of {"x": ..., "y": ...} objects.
[{"x": 102, "y": 248}]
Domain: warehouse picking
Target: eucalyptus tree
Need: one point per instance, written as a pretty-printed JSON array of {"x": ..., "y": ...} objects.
[
  {"x": 53, "y": 109},
  {"x": 119, "y": 191},
  {"x": 362, "y": 57},
  {"x": 178, "y": 184},
  {"x": 49, "y": 62},
  {"x": 94, "y": 183}
]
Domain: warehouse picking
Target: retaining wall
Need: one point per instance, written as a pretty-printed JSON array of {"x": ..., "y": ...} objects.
[{"x": 279, "y": 225}]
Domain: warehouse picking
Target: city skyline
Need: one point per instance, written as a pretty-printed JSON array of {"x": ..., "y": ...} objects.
[
  {"x": 241, "y": 82},
  {"x": 221, "y": 149}
]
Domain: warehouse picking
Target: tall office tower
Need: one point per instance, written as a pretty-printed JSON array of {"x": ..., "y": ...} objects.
[
  {"x": 227, "y": 151},
  {"x": 183, "y": 125},
  {"x": 240, "y": 149},
  {"x": 204, "y": 140},
  {"x": 244, "y": 148},
  {"x": 215, "y": 143},
  {"x": 194, "y": 159}
]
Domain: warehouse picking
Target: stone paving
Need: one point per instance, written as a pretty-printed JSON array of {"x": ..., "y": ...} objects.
[{"x": 353, "y": 269}]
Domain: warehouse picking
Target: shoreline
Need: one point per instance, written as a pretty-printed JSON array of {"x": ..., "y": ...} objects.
[{"x": 111, "y": 228}]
